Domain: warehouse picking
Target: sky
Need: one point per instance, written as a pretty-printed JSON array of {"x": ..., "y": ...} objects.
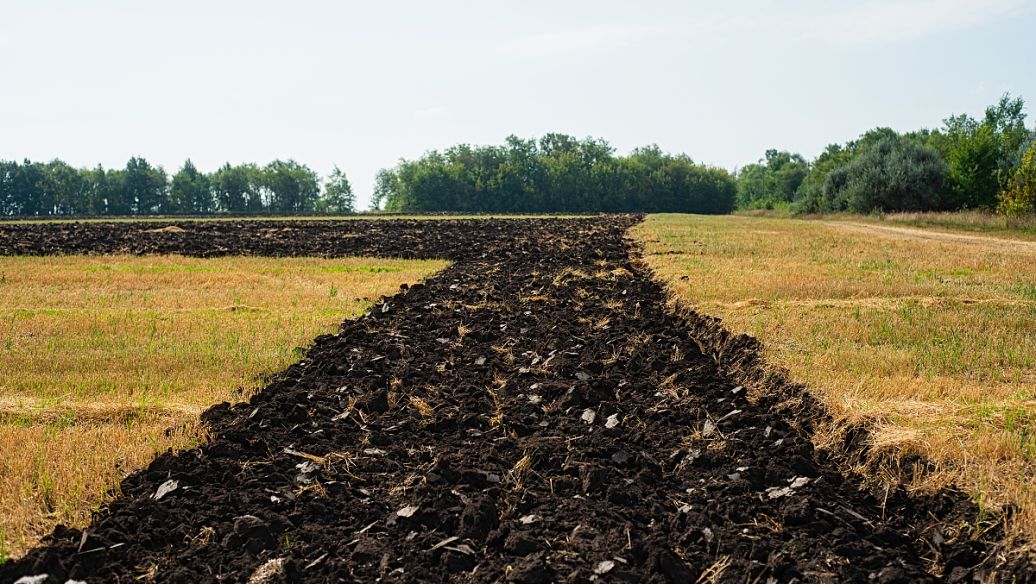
[{"x": 362, "y": 84}]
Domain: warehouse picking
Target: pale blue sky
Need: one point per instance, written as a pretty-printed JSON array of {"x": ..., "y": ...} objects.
[{"x": 362, "y": 84}]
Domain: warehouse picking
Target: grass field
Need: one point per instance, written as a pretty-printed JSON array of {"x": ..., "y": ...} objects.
[
  {"x": 928, "y": 337},
  {"x": 99, "y": 356},
  {"x": 983, "y": 222},
  {"x": 1013, "y": 227}
]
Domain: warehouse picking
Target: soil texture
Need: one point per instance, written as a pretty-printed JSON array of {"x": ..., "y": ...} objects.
[{"x": 531, "y": 414}]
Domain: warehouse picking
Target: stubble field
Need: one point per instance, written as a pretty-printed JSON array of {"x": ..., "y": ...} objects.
[{"x": 106, "y": 361}]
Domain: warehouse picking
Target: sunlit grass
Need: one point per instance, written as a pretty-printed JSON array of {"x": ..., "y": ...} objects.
[
  {"x": 1021, "y": 227},
  {"x": 105, "y": 361},
  {"x": 984, "y": 222},
  {"x": 931, "y": 342}
]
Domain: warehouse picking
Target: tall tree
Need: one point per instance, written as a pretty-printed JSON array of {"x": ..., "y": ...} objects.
[
  {"x": 145, "y": 188},
  {"x": 338, "y": 194},
  {"x": 1019, "y": 195},
  {"x": 237, "y": 189},
  {"x": 291, "y": 187},
  {"x": 28, "y": 188},
  {"x": 8, "y": 187},
  {"x": 63, "y": 189},
  {"x": 772, "y": 182},
  {"x": 386, "y": 189},
  {"x": 96, "y": 190},
  {"x": 190, "y": 192},
  {"x": 980, "y": 152},
  {"x": 812, "y": 196}
]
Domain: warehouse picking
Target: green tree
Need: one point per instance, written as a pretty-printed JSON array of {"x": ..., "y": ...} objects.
[
  {"x": 1019, "y": 194},
  {"x": 338, "y": 194},
  {"x": 772, "y": 182},
  {"x": 28, "y": 188},
  {"x": 291, "y": 187},
  {"x": 891, "y": 174},
  {"x": 1007, "y": 117},
  {"x": 813, "y": 197},
  {"x": 557, "y": 173},
  {"x": 386, "y": 189},
  {"x": 63, "y": 189},
  {"x": 145, "y": 189},
  {"x": 8, "y": 187},
  {"x": 190, "y": 192},
  {"x": 980, "y": 152},
  {"x": 237, "y": 189},
  {"x": 752, "y": 188},
  {"x": 106, "y": 192}
]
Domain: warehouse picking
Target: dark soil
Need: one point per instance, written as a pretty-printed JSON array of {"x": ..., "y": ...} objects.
[
  {"x": 531, "y": 414},
  {"x": 419, "y": 239}
]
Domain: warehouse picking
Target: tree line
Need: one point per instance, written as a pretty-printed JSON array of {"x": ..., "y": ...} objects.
[
  {"x": 281, "y": 187},
  {"x": 554, "y": 174},
  {"x": 968, "y": 163}
]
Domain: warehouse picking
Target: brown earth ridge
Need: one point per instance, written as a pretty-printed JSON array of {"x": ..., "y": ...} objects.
[{"x": 533, "y": 413}]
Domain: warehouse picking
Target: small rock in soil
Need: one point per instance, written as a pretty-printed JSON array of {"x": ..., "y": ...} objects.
[
  {"x": 166, "y": 488},
  {"x": 270, "y": 572},
  {"x": 604, "y": 567},
  {"x": 708, "y": 429},
  {"x": 407, "y": 511},
  {"x": 588, "y": 416}
]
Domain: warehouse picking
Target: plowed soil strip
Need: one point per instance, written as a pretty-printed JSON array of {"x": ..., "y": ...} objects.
[{"x": 531, "y": 414}]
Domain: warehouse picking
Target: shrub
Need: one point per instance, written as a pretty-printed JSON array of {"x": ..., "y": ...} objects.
[
  {"x": 1019, "y": 194},
  {"x": 894, "y": 173}
]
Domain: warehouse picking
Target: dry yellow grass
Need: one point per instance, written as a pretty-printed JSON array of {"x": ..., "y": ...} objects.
[
  {"x": 928, "y": 339},
  {"x": 974, "y": 221},
  {"x": 100, "y": 356},
  {"x": 1023, "y": 227}
]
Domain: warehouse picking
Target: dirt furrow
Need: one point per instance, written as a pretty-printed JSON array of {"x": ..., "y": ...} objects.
[{"x": 531, "y": 414}]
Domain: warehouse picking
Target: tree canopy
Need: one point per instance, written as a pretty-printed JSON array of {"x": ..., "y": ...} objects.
[
  {"x": 1019, "y": 195},
  {"x": 892, "y": 174},
  {"x": 556, "y": 173},
  {"x": 55, "y": 189},
  {"x": 771, "y": 182},
  {"x": 967, "y": 163}
]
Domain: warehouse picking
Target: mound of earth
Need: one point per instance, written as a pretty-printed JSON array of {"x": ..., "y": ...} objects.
[{"x": 531, "y": 414}]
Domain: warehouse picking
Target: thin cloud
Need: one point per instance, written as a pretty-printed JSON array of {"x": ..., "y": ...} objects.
[
  {"x": 886, "y": 21},
  {"x": 431, "y": 113},
  {"x": 588, "y": 40}
]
